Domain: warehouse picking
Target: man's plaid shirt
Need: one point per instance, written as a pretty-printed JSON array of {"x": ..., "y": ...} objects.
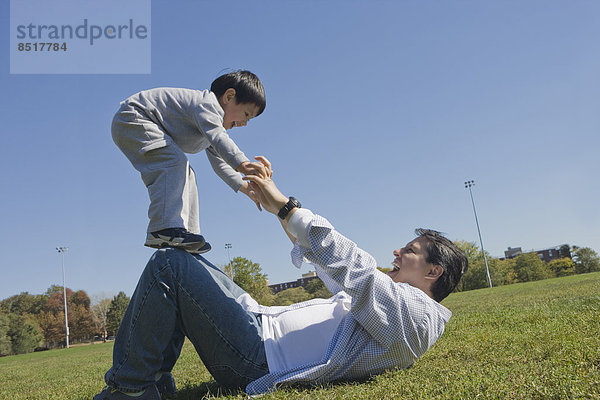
[{"x": 389, "y": 326}]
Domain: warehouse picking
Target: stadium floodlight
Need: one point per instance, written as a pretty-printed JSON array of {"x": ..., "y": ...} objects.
[
  {"x": 228, "y": 246},
  {"x": 468, "y": 185},
  {"x": 62, "y": 251}
]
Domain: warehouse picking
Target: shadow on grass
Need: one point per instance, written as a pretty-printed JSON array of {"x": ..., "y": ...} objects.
[
  {"x": 205, "y": 389},
  {"x": 212, "y": 389}
]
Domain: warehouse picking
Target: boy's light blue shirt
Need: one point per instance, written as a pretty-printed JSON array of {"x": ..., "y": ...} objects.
[{"x": 390, "y": 325}]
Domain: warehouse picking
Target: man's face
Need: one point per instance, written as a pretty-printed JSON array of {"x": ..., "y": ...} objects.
[
  {"x": 238, "y": 114},
  {"x": 410, "y": 265}
]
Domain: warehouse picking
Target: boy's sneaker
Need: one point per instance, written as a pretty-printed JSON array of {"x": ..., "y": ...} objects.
[
  {"x": 166, "y": 385},
  {"x": 151, "y": 393},
  {"x": 202, "y": 249},
  {"x": 177, "y": 237}
]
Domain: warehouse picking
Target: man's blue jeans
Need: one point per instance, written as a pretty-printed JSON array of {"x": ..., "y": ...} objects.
[{"x": 180, "y": 295}]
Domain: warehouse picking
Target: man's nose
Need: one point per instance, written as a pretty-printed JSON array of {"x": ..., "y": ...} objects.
[{"x": 397, "y": 252}]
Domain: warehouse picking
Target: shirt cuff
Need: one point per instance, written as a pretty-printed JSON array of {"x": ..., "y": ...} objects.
[{"x": 299, "y": 224}]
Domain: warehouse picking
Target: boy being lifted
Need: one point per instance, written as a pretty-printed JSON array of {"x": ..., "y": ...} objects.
[{"x": 155, "y": 128}]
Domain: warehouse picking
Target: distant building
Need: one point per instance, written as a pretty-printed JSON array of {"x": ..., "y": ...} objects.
[
  {"x": 547, "y": 255},
  {"x": 512, "y": 252},
  {"x": 302, "y": 282}
]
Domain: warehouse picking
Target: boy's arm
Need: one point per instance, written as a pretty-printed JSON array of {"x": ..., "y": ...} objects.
[
  {"x": 228, "y": 174},
  {"x": 208, "y": 117},
  {"x": 224, "y": 170}
]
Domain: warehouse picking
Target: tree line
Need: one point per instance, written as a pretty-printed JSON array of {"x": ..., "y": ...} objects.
[
  {"x": 29, "y": 322},
  {"x": 524, "y": 267},
  {"x": 37, "y": 322}
]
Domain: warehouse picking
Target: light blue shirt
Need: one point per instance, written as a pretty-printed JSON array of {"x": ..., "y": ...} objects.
[{"x": 390, "y": 325}]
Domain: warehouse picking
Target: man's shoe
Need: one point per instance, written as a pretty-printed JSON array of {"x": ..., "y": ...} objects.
[
  {"x": 151, "y": 393},
  {"x": 176, "y": 237},
  {"x": 166, "y": 385}
]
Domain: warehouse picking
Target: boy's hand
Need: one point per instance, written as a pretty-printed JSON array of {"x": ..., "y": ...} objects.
[
  {"x": 255, "y": 168},
  {"x": 267, "y": 165}
]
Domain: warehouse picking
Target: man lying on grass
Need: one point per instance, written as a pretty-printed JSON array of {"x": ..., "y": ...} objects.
[{"x": 373, "y": 322}]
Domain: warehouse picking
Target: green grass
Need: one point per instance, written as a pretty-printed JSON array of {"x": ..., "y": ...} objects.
[{"x": 537, "y": 340}]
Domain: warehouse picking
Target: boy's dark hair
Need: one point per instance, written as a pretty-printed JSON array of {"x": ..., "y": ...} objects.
[
  {"x": 443, "y": 252},
  {"x": 248, "y": 88}
]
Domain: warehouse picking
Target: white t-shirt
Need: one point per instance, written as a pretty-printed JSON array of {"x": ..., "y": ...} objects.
[{"x": 301, "y": 336}]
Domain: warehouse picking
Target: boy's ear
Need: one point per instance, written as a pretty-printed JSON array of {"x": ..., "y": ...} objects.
[{"x": 229, "y": 95}]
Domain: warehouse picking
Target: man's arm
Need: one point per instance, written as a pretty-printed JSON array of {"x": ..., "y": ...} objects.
[{"x": 392, "y": 313}]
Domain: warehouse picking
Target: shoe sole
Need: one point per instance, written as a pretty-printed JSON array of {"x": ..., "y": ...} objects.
[
  {"x": 204, "y": 249},
  {"x": 164, "y": 241},
  {"x": 194, "y": 248}
]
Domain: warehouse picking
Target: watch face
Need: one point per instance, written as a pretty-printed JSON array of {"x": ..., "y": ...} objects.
[{"x": 295, "y": 202}]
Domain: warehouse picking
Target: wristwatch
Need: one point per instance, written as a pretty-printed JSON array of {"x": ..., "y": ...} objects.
[{"x": 285, "y": 210}]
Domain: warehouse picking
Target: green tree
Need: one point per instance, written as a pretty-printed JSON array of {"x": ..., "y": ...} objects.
[
  {"x": 291, "y": 296},
  {"x": 317, "y": 289},
  {"x": 586, "y": 260},
  {"x": 116, "y": 311},
  {"x": 249, "y": 276},
  {"x": 529, "y": 267},
  {"x": 24, "y": 334},
  {"x": 562, "y": 267},
  {"x": 504, "y": 272},
  {"x": 476, "y": 276},
  {"x": 564, "y": 251},
  {"x": 23, "y": 303},
  {"x": 5, "y": 346}
]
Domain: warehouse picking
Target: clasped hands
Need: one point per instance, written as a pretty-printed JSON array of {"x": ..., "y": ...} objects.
[{"x": 262, "y": 189}]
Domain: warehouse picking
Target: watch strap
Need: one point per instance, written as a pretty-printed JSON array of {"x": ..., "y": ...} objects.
[{"x": 285, "y": 210}]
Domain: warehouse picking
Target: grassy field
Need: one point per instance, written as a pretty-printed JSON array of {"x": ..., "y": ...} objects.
[{"x": 537, "y": 340}]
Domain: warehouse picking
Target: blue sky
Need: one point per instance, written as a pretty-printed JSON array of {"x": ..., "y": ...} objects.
[{"x": 377, "y": 113}]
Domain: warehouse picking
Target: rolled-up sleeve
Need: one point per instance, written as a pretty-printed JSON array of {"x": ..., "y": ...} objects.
[{"x": 390, "y": 312}]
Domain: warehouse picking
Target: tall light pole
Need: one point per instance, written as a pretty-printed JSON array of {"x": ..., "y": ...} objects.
[
  {"x": 229, "y": 266},
  {"x": 62, "y": 251},
  {"x": 468, "y": 185},
  {"x": 228, "y": 247}
]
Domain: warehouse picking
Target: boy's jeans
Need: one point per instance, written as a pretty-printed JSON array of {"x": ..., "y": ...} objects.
[{"x": 180, "y": 295}]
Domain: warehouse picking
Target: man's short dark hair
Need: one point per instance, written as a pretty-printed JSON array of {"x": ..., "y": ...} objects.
[
  {"x": 248, "y": 88},
  {"x": 443, "y": 252}
]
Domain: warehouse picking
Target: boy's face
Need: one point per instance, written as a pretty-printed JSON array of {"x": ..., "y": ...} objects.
[{"x": 236, "y": 114}]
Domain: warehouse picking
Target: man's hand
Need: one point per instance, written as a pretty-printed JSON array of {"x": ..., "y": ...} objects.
[
  {"x": 263, "y": 189},
  {"x": 262, "y": 165},
  {"x": 246, "y": 190}
]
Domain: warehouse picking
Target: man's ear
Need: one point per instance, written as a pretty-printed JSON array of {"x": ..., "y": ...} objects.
[
  {"x": 435, "y": 271},
  {"x": 228, "y": 96}
]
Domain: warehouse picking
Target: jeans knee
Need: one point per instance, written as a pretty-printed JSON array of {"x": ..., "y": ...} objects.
[{"x": 172, "y": 259}]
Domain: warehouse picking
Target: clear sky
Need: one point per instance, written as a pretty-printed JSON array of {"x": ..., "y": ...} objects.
[{"x": 377, "y": 112}]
